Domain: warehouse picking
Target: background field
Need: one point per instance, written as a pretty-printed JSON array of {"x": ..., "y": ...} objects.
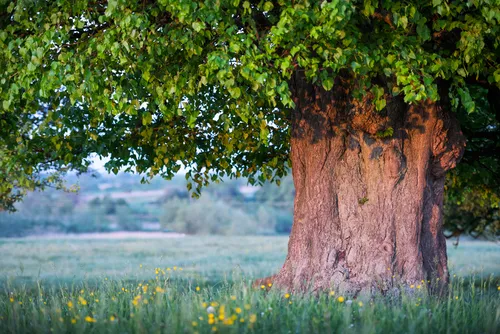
[{"x": 202, "y": 258}]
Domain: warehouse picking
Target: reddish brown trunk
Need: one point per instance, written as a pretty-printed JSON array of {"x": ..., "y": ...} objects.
[{"x": 368, "y": 210}]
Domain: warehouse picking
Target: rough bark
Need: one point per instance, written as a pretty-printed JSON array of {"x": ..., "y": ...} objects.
[{"x": 368, "y": 210}]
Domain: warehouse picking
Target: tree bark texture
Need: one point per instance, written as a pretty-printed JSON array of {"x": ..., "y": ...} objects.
[{"x": 368, "y": 207}]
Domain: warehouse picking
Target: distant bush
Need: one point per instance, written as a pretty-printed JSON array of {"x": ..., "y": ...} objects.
[{"x": 207, "y": 216}]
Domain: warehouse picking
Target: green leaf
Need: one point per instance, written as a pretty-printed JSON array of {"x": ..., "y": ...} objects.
[
  {"x": 327, "y": 83},
  {"x": 147, "y": 118},
  {"x": 198, "y": 26}
]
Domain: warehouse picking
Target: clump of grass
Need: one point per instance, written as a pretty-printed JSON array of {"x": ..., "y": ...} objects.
[{"x": 172, "y": 303}]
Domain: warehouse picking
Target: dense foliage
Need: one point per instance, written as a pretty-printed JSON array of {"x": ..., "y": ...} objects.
[{"x": 160, "y": 85}]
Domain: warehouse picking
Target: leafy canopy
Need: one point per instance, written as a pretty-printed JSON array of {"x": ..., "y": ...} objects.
[{"x": 160, "y": 85}]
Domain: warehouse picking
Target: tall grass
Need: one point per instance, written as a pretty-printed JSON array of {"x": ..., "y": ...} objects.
[{"x": 169, "y": 304}]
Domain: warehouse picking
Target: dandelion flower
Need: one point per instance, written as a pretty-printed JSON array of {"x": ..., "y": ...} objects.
[
  {"x": 70, "y": 304},
  {"x": 270, "y": 284},
  {"x": 262, "y": 286},
  {"x": 360, "y": 304},
  {"x": 287, "y": 295},
  {"x": 332, "y": 293},
  {"x": 194, "y": 323},
  {"x": 11, "y": 299},
  {"x": 197, "y": 288},
  {"x": 112, "y": 318},
  {"x": 89, "y": 319},
  {"x": 341, "y": 299},
  {"x": 238, "y": 310},
  {"x": 419, "y": 286},
  {"x": 233, "y": 297},
  {"x": 253, "y": 318},
  {"x": 73, "y": 321},
  {"x": 412, "y": 286}
]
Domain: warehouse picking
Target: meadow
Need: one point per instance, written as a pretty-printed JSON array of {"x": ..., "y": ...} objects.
[{"x": 204, "y": 285}]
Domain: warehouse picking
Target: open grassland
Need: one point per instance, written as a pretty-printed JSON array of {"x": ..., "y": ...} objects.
[{"x": 193, "y": 284}]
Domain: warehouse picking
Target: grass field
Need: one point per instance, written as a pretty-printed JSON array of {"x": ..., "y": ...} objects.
[{"x": 203, "y": 284}]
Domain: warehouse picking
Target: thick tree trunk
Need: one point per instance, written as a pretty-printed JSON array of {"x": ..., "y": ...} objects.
[{"x": 368, "y": 210}]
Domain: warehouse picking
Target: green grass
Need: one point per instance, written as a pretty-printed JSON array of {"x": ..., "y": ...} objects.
[{"x": 65, "y": 285}]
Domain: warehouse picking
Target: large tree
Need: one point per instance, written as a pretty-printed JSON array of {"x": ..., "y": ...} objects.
[{"x": 360, "y": 97}]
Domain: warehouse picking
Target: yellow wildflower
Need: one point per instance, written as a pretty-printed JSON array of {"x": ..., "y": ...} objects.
[
  {"x": 360, "y": 304},
  {"x": 11, "y": 299},
  {"x": 73, "y": 321},
  {"x": 89, "y": 319},
  {"x": 419, "y": 286},
  {"x": 197, "y": 288},
  {"x": 214, "y": 329},
  {"x": 242, "y": 320},
  {"x": 112, "y": 318},
  {"x": 332, "y": 293},
  {"x": 253, "y": 318},
  {"x": 270, "y": 284},
  {"x": 238, "y": 310},
  {"x": 287, "y": 295},
  {"x": 194, "y": 323},
  {"x": 175, "y": 268},
  {"x": 412, "y": 286},
  {"x": 262, "y": 286},
  {"x": 82, "y": 301},
  {"x": 70, "y": 304},
  {"x": 211, "y": 321},
  {"x": 341, "y": 299},
  {"x": 233, "y": 297},
  {"x": 248, "y": 306},
  {"x": 159, "y": 289}
]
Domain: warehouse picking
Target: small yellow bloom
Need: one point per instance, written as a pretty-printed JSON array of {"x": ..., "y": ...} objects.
[
  {"x": 82, "y": 301},
  {"x": 204, "y": 305},
  {"x": 498, "y": 288},
  {"x": 159, "y": 289},
  {"x": 214, "y": 329},
  {"x": 175, "y": 268},
  {"x": 242, "y": 320},
  {"x": 270, "y": 284},
  {"x": 360, "y": 304},
  {"x": 73, "y": 321},
  {"x": 412, "y": 286},
  {"x": 197, "y": 288},
  {"x": 419, "y": 286},
  {"x": 221, "y": 316},
  {"x": 341, "y": 299},
  {"x": 253, "y": 318},
  {"x": 214, "y": 304},
  {"x": 11, "y": 299},
  {"x": 211, "y": 321},
  {"x": 332, "y": 293},
  {"x": 262, "y": 286},
  {"x": 89, "y": 319},
  {"x": 70, "y": 304},
  {"x": 194, "y": 323},
  {"x": 290, "y": 303},
  {"x": 238, "y": 310},
  {"x": 456, "y": 297},
  {"x": 112, "y": 318},
  {"x": 61, "y": 319},
  {"x": 248, "y": 306},
  {"x": 287, "y": 295},
  {"x": 82, "y": 291},
  {"x": 233, "y": 297},
  {"x": 97, "y": 300}
]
